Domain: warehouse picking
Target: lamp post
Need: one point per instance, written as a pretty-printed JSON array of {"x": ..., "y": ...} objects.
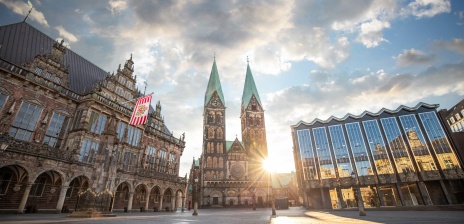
[
  {"x": 272, "y": 201},
  {"x": 268, "y": 167},
  {"x": 254, "y": 199},
  {"x": 195, "y": 199},
  {"x": 358, "y": 190}
]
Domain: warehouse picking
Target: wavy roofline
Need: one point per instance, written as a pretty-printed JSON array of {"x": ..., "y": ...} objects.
[{"x": 401, "y": 107}]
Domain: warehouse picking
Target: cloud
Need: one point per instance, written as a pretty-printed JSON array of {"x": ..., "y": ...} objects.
[
  {"x": 22, "y": 8},
  {"x": 456, "y": 45},
  {"x": 117, "y": 6},
  {"x": 414, "y": 57},
  {"x": 371, "y": 32},
  {"x": 427, "y": 8},
  {"x": 338, "y": 95},
  {"x": 66, "y": 34}
]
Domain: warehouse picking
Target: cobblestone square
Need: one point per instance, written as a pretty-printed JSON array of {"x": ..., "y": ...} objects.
[{"x": 295, "y": 215}]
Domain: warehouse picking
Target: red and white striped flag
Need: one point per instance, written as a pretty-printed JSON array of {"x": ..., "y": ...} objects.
[{"x": 139, "y": 116}]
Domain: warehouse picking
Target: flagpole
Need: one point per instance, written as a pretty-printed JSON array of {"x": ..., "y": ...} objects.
[{"x": 30, "y": 10}]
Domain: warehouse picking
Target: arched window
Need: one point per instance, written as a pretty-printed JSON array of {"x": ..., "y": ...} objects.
[
  {"x": 211, "y": 132},
  {"x": 221, "y": 162},
  {"x": 215, "y": 162},
  {"x": 219, "y": 133}
]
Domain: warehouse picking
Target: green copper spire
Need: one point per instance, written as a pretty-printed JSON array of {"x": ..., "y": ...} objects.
[
  {"x": 249, "y": 89},
  {"x": 214, "y": 85}
]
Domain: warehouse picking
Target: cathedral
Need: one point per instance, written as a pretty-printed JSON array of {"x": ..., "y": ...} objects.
[{"x": 230, "y": 173}]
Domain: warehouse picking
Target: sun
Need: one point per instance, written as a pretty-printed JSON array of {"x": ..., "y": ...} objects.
[{"x": 269, "y": 164}]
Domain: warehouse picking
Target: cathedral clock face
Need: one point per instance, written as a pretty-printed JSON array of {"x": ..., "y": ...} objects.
[
  {"x": 215, "y": 103},
  {"x": 237, "y": 171}
]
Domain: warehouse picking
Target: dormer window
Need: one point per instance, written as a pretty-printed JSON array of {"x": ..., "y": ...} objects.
[
  {"x": 57, "y": 80},
  {"x": 129, "y": 85},
  {"x": 122, "y": 80},
  {"x": 253, "y": 107},
  {"x": 48, "y": 75},
  {"x": 119, "y": 91},
  {"x": 38, "y": 71},
  {"x": 128, "y": 95}
]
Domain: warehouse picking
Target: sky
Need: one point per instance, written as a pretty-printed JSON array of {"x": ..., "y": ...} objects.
[{"x": 310, "y": 59}]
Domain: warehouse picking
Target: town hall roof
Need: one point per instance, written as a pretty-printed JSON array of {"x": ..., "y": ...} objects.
[{"x": 21, "y": 42}]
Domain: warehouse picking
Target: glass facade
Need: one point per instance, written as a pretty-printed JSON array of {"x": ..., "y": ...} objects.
[
  {"x": 358, "y": 149},
  {"x": 417, "y": 143},
  {"x": 397, "y": 146},
  {"x": 440, "y": 144},
  {"x": 307, "y": 155},
  {"x": 400, "y": 146},
  {"x": 323, "y": 153},
  {"x": 377, "y": 147},
  {"x": 341, "y": 151}
]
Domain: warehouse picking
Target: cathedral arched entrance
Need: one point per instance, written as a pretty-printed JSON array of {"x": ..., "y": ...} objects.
[
  {"x": 261, "y": 198},
  {"x": 217, "y": 198}
]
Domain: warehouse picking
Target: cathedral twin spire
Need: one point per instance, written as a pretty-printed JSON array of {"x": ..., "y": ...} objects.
[
  {"x": 249, "y": 89},
  {"x": 214, "y": 85}
]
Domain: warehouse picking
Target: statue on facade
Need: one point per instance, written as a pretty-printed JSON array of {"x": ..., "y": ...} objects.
[{"x": 39, "y": 133}]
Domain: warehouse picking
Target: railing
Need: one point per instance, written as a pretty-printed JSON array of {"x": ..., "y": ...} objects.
[
  {"x": 39, "y": 79},
  {"x": 36, "y": 149}
]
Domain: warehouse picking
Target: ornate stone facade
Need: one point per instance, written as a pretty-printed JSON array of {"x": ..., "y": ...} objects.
[{"x": 67, "y": 136}]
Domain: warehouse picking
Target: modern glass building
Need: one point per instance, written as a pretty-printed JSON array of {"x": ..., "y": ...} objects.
[{"x": 399, "y": 157}]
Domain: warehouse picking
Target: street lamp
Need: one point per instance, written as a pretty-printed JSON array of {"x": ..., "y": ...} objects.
[
  {"x": 268, "y": 166},
  {"x": 195, "y": 204},
  {"x": 358, "y": 190},
  {"x": 254, "y": 199},
  {"x": 272, "y": 201}
]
